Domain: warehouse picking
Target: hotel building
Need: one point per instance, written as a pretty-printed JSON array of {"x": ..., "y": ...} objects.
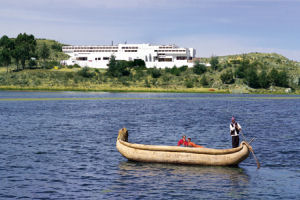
[{"x": 159, "y": 56}]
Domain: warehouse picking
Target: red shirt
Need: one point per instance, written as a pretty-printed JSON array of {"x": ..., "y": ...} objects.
[{"x": 180, "y": 142}]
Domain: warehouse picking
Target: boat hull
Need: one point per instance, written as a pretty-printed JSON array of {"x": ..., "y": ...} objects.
[{"x": 181, "y": 155}]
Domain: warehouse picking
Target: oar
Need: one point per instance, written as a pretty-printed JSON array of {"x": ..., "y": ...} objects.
[{"x": 251, "y": 149}]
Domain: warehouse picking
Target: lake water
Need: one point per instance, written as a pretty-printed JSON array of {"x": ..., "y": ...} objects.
[{"x": 61, "y": 145}]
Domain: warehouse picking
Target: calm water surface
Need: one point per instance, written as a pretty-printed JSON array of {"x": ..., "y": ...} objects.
[{"x": 61, "y": 145}]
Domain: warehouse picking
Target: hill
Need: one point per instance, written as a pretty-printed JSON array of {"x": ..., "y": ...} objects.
[{"x": 244, "y": 73}]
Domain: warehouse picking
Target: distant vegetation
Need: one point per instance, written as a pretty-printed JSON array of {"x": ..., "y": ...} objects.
[{"x": 30, "y": 63}]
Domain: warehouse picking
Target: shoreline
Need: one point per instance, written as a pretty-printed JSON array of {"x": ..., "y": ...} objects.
[{"x": 141, "y": 90}]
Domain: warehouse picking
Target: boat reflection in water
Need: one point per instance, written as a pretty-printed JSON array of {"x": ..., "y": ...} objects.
[{"x": 229, "y": 182}]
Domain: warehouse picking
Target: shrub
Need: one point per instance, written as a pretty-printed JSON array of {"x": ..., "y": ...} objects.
[
  {"x": 155, "y": 73},
  {"x": 252, "y": 78},
  {"x": 263, "y": 80},
  {"x": 189, "y": 84},
  {"x": 199, "y": 68},
  {"x": 56, "y": 46},
  {"x": 227, "y": 77},
  {"x": 204, "y": 81},
  {"x": 85, "y": 72},
  {"x": 175, "y": 71},
  {"x": 183, "y": 68},
  {"x": 51, "y": 64},
  {"x": 214, "y": 62}
]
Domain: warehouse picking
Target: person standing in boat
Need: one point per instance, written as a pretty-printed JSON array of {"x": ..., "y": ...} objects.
[
  {"x": 182, "y": 141},
  {"x": 235, "y": 129}
]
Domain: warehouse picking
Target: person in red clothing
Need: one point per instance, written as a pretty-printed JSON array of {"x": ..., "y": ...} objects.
[
  {"x": 182, "y": 141},
  {"x": 192, "y": 144}
]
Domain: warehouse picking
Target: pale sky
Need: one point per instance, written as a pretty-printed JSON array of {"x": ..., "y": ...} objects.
[{"x": 212, "y": 27}]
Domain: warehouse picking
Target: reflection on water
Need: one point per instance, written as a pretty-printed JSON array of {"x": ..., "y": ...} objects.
[{"x": 229, "y": 181}]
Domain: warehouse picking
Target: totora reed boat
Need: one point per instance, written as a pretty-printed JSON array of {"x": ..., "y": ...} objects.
[{"x": 181, "y": 155}]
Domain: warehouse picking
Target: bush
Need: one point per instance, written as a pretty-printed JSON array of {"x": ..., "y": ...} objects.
[
  {"x": 56, "y": 46},
  {"x": 252, "y": 78},
  {"x": 263, "y": 80},
  {"x": 175, "y": 71},
  {"x": 85, "y": 72},
  {"x": 214, "y": 62},
  {"x": 227, "y": 77},
  {"x": 204, "y": 81},
  {"x": 32, "y": 63},
  {"x": 189, "y": 84},
  {"x": 155, "y": 73},
  {"x": 183, "y": 68},
  {"x": 73, "y": 66},
  {"x": 199, "y": 68},
  {"x": 51, "y": 64},
  {"x": 240, "y": 72}
]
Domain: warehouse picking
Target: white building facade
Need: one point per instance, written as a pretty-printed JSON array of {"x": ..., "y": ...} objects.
[{"x": 160, "y": 56}]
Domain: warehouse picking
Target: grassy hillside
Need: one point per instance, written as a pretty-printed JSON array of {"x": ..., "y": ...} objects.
[
  {"x": 55, "y": 49},
  {"x": 52, "y": 76}
]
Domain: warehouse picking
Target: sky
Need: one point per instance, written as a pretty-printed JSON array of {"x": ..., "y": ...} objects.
[{"x": 212, "y": 27}]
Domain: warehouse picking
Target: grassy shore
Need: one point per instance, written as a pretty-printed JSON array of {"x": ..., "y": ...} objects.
[
  {"x": 65, "y": 79},
  {"x": 108, "y": 88}
]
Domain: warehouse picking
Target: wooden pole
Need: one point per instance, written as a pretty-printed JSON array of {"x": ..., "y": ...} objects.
[{"x": 251, "y": 149}]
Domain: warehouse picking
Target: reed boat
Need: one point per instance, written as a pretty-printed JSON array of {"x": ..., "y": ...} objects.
[{"x": 181, "y": 155}]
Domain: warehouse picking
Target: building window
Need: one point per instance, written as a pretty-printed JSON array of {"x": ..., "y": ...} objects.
[
  {"x": 181, "y": 58},
  {"x": 105, "y": 58},
  {"x": 81, "y": 58},
  {"x": 164, "y": 59}
]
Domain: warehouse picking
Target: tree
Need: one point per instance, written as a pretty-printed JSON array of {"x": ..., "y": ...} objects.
[
  {"x": 139, "y": 64},
  {"x": 214, "y": 62},
  {"x": 113, "y": 67},
  {"x": 5, "y": 58},
  {"x": 242, "y": 68},
  {"x": 25, "y": 48},
  {"x": 44, "y": 53},
  {"x": 252, "y": 78},
  {"x": 155, "y": 73},
  {"x": 204, "y": 81},
  {"x": 273, "y": 77},
  {"x": 118, "y": 68},
  {"x": 175, "y": 71},
  {"x": 7, "y": 47},
  {"x": 263, "y": 79},
  {"x": 227, "y": 77},
  {"x": 283, "y": 79},
  {"x": 199, "y": 68}
]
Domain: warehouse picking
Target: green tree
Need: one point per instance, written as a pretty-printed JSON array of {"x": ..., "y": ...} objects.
[
  {"x": 273, "y": 77},
  {"x": 263, "y": 79},
  {"x": 25, "y": 46},
  {"x": 6, "y": 50},
  {"x": 252, "y": 78},
  {"x": 227, "y": 77},
  {"x": 283, "y": 79},
  {"x": 214, "y": 62},
  {"x": 155, "y": 73},
  {"x": 243, "y": 66},
  {"x": 44, "y": 53},
  {"x": 204, "y": 81},
  {"x": 183, "y": 68},
  {"x": 199, "y": 68},
  {"x": 56, "y": 46},
  {"x": 139, "y": 64},
  {"x": 175, "y": 71},
  {"x": 113, "y": 67},
  {"x": 85, "y": 72}
]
